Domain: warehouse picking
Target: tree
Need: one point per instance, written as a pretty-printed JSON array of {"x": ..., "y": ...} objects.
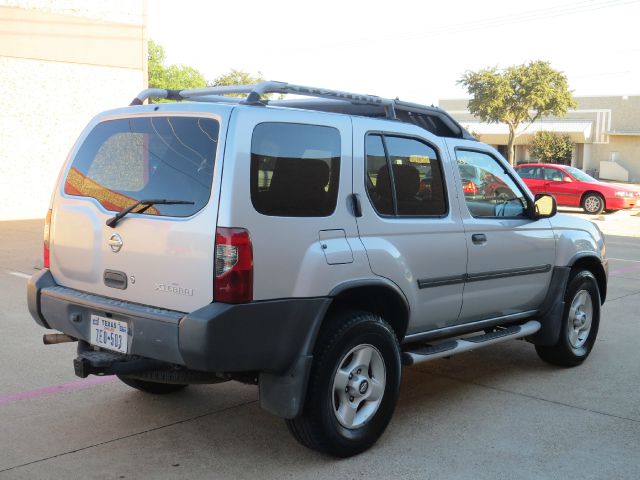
[
  {"x": 239, "y": 77},
  {"x": 549, "y": 147},
  {"x": 176, "y": 77},
  {"x": 517, "y": 95}
]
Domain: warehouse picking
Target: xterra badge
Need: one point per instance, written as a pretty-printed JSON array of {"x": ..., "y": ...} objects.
[{"x": 174, "y": 288}]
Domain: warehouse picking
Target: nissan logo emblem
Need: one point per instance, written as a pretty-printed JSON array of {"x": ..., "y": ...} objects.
[{"x": 115, "y": 242}]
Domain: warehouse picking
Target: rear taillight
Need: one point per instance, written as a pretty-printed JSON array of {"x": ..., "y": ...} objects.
[
  {"x": 470, "y": 187},
  {"x": 47, "y": 230},
  {"x": 233, "y": 282}
]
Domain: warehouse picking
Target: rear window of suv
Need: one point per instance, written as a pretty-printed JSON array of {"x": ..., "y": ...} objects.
[{"x": 126, "y": 160}]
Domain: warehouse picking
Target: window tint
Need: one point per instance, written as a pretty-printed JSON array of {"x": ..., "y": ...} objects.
[
  {"x": 553, "y": 174},
  {"x": 530, "y": 172},
  {"x": 377, "y": 168},
  {"x": 295, "y": 169},
  {"x": 126, "y": 160},
  {"x": 489, "y": 191},
  {"x": 406, "y": 181}
]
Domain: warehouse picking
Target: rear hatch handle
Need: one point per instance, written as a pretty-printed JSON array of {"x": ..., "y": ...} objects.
[{"x": 112, "y": 222}]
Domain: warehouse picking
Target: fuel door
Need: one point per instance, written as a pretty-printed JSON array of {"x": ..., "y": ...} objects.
[{"x": 335, "y": 247}]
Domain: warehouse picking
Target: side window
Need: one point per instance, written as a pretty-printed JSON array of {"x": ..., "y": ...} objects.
[
  {"x": 529, "y": 172},
  {"x": 553, "y": 174},
  {"x": 537, "y": 173},
  {"x": 488, "y": 190},
  {"x": 378, "y": 184},
  {"x": 405, "y": 178},
  {"x": 295, "y": 169}
]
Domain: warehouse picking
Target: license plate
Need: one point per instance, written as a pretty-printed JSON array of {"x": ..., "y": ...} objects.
[{"x": 110, "y": 334}]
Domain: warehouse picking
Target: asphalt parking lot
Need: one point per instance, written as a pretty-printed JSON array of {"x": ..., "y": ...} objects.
[{"x": 494, "y": 413}]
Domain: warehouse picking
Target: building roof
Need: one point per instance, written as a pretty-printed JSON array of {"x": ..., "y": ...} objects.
[{"x": 497, "y": 133}]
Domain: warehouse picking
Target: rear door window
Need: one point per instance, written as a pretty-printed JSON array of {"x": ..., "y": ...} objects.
[
  {"x": 404, "y": 177},
  {"x": 295, "y": 169},
  {"x": 534, "y": 173},
  {"x": 126, "y": 160}
]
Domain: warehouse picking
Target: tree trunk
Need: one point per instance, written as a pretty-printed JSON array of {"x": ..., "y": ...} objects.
[{"x": 511, "y": 148}]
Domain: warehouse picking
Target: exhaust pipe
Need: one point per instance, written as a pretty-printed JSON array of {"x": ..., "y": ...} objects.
[{"x": 53, "y": 338}]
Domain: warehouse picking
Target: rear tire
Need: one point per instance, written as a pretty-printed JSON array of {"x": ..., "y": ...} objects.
[
  {"x": 353, "y": 386},
  {"x": 593, "y": 203},
  {"x": 580, "y": 322},
  {"x": 155, "y": 388}
]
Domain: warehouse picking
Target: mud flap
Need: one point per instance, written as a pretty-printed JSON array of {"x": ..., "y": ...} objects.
[
  {"x": 552, "y": 309},
  {"x": 284, "y": 395}
]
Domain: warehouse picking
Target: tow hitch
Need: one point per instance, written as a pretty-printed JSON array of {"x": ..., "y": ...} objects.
[{"x": 101, "y": 362}]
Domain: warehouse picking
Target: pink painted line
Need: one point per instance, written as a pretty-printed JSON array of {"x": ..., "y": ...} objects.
[
  {"x": 63, "y": 387},
  {"x": 624, "y": 270}
]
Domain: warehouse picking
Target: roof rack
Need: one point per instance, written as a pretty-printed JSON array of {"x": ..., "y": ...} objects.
[
  {"x": 431, "y": 118},
  {"x": 255, "y": 92}
]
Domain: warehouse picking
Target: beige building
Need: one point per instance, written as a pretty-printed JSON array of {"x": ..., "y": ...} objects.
[
  {"x": 606, "y": 131},
  {"x": 61, "y": 62}
]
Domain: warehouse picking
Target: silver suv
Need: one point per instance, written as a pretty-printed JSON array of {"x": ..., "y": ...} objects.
[{"x": 311, "y": 246}]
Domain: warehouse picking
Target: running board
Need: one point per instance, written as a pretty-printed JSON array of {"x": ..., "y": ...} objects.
[{"x": 451, "y": 347}]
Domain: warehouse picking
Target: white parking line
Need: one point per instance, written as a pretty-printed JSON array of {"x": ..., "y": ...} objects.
[
  {"x": 624, "y": 260},
  {"x": 19, "y": 274}
]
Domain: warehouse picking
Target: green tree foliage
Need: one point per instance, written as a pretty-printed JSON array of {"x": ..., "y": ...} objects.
[
  {"x": 517, "y": 95},
  {"x": 549, "y": 147},
  {"x": 238, "y": 77},
  {"x": 175, "y": 77}
]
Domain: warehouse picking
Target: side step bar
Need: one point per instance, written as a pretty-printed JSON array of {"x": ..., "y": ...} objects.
[{"x": 451, "y": 347}]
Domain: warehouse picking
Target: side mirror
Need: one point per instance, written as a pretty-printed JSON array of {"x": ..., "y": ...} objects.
[
  {"x": 567, "y": 179},
  {"x": 545, "y": 206}
]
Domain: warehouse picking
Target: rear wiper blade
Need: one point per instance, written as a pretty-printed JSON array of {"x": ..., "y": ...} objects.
[{"x": 147, "y": 204}]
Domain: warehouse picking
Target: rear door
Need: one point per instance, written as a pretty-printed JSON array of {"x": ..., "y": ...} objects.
[
  {"x": 410, "y": 224},
  {"x": 533, "y": 177},
  {"x": 287, "y": 175},
  {"x": 164, "y": 255}
]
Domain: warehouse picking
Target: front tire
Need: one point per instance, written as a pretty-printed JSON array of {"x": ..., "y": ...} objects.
[
  {"x": 593, "y": 203},
  {"x": 353, "y": 386},
  {"x": 580, "y": 322}
]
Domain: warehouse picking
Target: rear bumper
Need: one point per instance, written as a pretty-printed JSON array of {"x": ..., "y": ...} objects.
[{"x": 267, "y": 336}]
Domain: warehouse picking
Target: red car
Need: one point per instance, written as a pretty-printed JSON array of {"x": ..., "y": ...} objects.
[{"x": 574, "y": 188}]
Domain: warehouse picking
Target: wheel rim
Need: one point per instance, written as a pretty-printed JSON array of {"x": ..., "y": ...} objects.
[
  {"x": 592, "y": 203},
  {"x": 358, "y": 386},
  {"x": 580, "y": 318}
]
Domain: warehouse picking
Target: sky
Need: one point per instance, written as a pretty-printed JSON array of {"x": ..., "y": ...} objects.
[{"x": 414, "y": 50}]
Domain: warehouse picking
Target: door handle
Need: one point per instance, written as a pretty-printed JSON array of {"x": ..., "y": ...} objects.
[
  {"x": 478, "y": 238},
  {"x": 355, "y": 204}
]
